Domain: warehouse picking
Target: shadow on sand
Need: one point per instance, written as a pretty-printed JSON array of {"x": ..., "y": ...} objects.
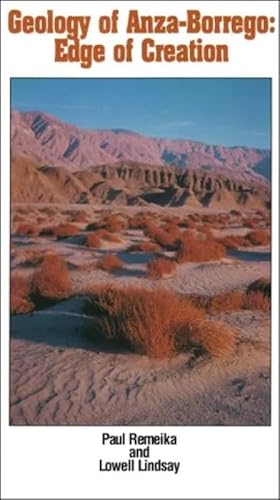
[{"x": 63, "y": 326}]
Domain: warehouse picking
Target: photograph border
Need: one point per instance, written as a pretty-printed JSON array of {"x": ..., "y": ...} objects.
[{"x": 271, "y": 250}]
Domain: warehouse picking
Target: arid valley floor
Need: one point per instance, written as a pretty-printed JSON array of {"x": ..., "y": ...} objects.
[{"x": 62, "y": 372}]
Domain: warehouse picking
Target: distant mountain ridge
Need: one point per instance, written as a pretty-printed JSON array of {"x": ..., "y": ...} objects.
[{"x": 45, "y": 140}]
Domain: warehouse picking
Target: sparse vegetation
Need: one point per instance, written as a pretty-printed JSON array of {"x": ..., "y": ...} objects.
[
  {"x": 79, "y": 217},
  {"x": 93, "y": 240},
  {"x": 110, "y": 263},
  {"x": 257, "y": 301},
  {"x": 165, "y": 238},
  {"x": 233, "y": 300},
  {"x": 144, "y": 246},
  {"x": 191, "y": 249},
  {"x": 65, "y": 230},
  {"x": 157, "y": 323},
  {"x": 161, "y": 268},
  {"x": 258, "y": 237},
  {"x": 52, "y": 280},
  {"x": 27, "y": 230},
  {"x": 262, "y": 285},
  {"x": 31, "y": 257},
  {"x": 114, "y": 224},
  {"x": 21, "y": 302},
  {"x": 234, "y": 242},
  {"x": 216, "y": 337}
]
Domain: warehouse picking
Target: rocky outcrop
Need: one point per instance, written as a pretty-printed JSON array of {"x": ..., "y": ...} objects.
[
  {"x": 133, "y": 184},
  {"x": 195, "y": 181}
]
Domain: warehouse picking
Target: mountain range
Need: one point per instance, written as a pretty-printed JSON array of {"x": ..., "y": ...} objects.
[{"x": 55, "y": 161}]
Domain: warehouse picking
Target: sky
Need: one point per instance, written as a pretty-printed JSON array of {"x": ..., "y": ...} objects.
[{"x": 226, "y": 111}]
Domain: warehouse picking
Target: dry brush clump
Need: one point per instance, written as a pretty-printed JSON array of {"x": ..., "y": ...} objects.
[
  {"x": 31, "y": 257},
  {"x": 262, "y": 285},
  {"x": 110, "y": 263},
  {"x": 216, "y": 337},
  {"x": 192, "y": 249},
  {"x": 52, "y": 280},
  {"x": 165, "y": 238},
  {"x": 161, "y": 268},
  {"x": 234, "y": 300},
  {"x": 93, "y": 240},
  {"x": 257, "y": 301},
  {"x": 79, "y": 217},
  {"x": 114, "y": 224},
  {"x": 65, "y": 230},
  {"x": 144, "y": 246},
  {"x": 27, "y": 230},
  {"x": 235, "y": 242},
  {"x": 258, "y": 237},
  {"x": 136, "y": 222},
  {"x": 157, "y": 323},
  {"x": 21, "y": 302}
]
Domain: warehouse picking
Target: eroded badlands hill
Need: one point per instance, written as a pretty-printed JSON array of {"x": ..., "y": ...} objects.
[{"x": 135, "y": 184}]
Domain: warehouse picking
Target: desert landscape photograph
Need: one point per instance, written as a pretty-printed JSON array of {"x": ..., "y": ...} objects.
[{"x": 140, "y": 251}]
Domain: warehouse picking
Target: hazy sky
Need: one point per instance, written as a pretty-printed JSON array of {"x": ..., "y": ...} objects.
[{"x": 224, "y": 111}]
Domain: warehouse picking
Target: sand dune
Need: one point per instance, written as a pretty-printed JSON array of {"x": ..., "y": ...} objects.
[{"x": 59, "y": 377}]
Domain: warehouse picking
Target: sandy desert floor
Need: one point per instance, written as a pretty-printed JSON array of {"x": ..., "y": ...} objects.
[{"x": 59, "y": 376}]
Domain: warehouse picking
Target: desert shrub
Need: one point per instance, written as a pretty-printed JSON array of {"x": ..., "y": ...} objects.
[
  {"x": 136, "y": 222},
  {"x": 233, "y": 300},
  {"x": 157, "y": 323},
  {"x": 144, "y": 246},
  {"x": 257, "y": 301},
  {"x": 150, "y": 229},
  {"x": 110, "y": 223},
  {"x": 52, "y": 280},
  {"x": 79, "y": 217},
  {"x": 227, "y": 301},
  {"x": 114, "y": 224},
  {"x": 171, "y": 219},
  {"x": 251, "y": 224},
  {"x": 262, "y": 285},
  {"x": 234, "y": 242},
  {"x": 206, "y": 230},
  {"x": 187, "y": 223},
  {"x": 32, "y": 257},
  {"x": 258, "y": 237},
  {"x": 161, "y": 268},
  {"x": 93, "y": 226},
  {"x": 21, "y": 302},
  {"x": 112, "y": 237},
  {"x": 65, "y": 230},
  {"x": 172, "y": 229},
  {"x": 190, "y": 249},
  {"x": 48, "y": 231},
  {"x": 216, "y": 337},
  {"x": 27, "y": 230},
  {"x": 164, "y": 238},
  {"x": 110, "y": 263},
  {"x": 167, "y": 240},
  {"x": 93, "y": 240},
  {"x": 222, "y": 302}
]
